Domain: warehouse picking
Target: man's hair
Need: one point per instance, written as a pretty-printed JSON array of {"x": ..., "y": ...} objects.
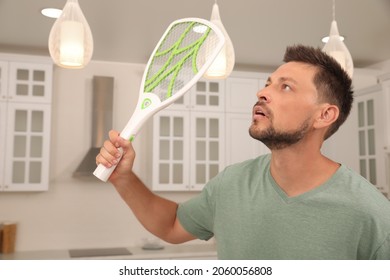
[{"x": 332, "y": 82}]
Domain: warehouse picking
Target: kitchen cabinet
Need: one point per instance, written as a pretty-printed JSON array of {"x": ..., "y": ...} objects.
[
  {"x": 372, "y": 133},
  {"x": 188, "y": 137},
  {"x": 385, "y": 82},
  {"x": 240, "y": 98},
  {"x": 25, "y": 113},
  {"x": 196, "y": 137}
]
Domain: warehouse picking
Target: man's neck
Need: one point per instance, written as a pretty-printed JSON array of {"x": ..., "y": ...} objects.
[{"x": 299, "y": 169}]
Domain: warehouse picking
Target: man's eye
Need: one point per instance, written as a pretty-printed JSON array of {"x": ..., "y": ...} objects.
[{"x": 286, "y": 87}]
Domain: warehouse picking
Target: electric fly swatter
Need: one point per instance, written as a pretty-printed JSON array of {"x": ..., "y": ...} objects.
[{"x": 182, "y": 56}]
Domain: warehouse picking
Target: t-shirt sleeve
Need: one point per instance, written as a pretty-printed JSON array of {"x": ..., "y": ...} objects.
[{"x": 197, "y": 214}]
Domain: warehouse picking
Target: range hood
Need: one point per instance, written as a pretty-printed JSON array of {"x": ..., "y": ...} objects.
[{"x": 102, "y": 104}]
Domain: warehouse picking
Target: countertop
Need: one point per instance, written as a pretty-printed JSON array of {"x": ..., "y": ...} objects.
[{"x": 193, "y": 251}]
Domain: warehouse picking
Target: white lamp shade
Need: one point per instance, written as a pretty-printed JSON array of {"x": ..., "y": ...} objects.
[
  {"x": 70, "y": 39},
  {"x": 223, "y": 65},
  {"x": 336, "y": 48}
]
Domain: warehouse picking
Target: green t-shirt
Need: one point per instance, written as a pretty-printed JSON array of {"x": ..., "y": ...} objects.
[{"x": 251, "y": 217}]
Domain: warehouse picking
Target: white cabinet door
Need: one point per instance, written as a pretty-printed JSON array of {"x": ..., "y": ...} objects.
[
  {"x": 3, "y": 124},
  {"x": 29, "y": 82},
  {"x": 3, "y": 80},
  {"x": 171, "y": 155},
  {"x": 207, "y": 147},
  {"x": 208, "y": 96},
  {"x": 205, "y": 95},
  {"x": 27, "y": 147},
  {"x": 240, "y": 145},
  {"x": 241, "y": 94},
  {"x": 371, "y": 135},
  {"x": 187, "y": 139},
  {"x": 25, "y": 115},
  {"x": 240, "y": 99},
  {"x": 188, "y": 149},
  {"x": 386, "y": 114}
]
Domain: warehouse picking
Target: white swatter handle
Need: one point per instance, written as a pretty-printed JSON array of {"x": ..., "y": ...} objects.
[{"x": 140, "y": 115}]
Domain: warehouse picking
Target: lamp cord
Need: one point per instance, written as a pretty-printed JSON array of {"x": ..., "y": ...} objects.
[{"x": 334, "y": 9}]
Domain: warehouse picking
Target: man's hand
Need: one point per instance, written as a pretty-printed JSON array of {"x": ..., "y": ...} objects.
[{"x": 118, "y": 151}]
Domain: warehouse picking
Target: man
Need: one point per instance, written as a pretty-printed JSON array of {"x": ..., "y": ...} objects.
[{"x": 292, "y": 204}]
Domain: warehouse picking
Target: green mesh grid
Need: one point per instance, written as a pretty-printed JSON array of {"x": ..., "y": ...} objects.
[{"x": 180, "y": 54}]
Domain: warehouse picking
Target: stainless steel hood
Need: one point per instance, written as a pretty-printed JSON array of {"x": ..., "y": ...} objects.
[{"x": 102, "y": 104}]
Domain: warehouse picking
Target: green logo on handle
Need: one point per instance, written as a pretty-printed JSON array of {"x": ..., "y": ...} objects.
[{"x": 146, "y": 103}]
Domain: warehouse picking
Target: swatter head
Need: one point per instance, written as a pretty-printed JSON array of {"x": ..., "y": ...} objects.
[{"x": 184, "y": 53}]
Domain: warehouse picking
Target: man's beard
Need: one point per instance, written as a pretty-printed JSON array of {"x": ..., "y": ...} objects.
[{"x": 276, "y": 140}]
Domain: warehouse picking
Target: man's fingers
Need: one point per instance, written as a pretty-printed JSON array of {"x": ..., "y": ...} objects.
[{"x": 108, "y": 155}]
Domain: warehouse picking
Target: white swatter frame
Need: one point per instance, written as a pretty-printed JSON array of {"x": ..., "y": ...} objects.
[{"x": 141, "y": 115}]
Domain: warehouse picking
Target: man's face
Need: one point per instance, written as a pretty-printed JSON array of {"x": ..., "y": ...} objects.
[{"x": 284, "y": 112}]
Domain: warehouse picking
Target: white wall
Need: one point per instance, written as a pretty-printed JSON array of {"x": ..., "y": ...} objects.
[
  {"x": 80, "y": 213},
  {"x": 383, "y": 66}
]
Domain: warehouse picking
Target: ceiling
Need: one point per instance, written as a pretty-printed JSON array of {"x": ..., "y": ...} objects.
[{"x": 128, "y": 30}]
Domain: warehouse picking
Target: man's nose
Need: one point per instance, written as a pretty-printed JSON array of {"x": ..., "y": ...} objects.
[{"x": 263, "y": 95}]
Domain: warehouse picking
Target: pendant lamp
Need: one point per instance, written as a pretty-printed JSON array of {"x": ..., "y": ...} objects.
[
  {"x": 223, "y": 65},
  {"x": 336, "y": 48},
  {"x": 70, "y": 39}
]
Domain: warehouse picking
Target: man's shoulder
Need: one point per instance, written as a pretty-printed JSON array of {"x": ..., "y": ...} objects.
[
  {"x": 241, "y": 174},
  {"x": 260, "y": 161},
  {"x": 357, "y": 183},
  {"x": 363, "y": 194}
]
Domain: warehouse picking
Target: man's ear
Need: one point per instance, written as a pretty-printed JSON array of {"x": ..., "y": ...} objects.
[{"x": 327, "y": 115}]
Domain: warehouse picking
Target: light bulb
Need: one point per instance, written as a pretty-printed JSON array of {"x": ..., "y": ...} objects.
[
  {"x": 70, "y": 39},
  {"x": 224, "y": 63},
  {"x": 336, "y": 48}
]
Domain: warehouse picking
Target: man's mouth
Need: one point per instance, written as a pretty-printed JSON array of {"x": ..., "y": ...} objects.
[{"x": 259, "y": 111}]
